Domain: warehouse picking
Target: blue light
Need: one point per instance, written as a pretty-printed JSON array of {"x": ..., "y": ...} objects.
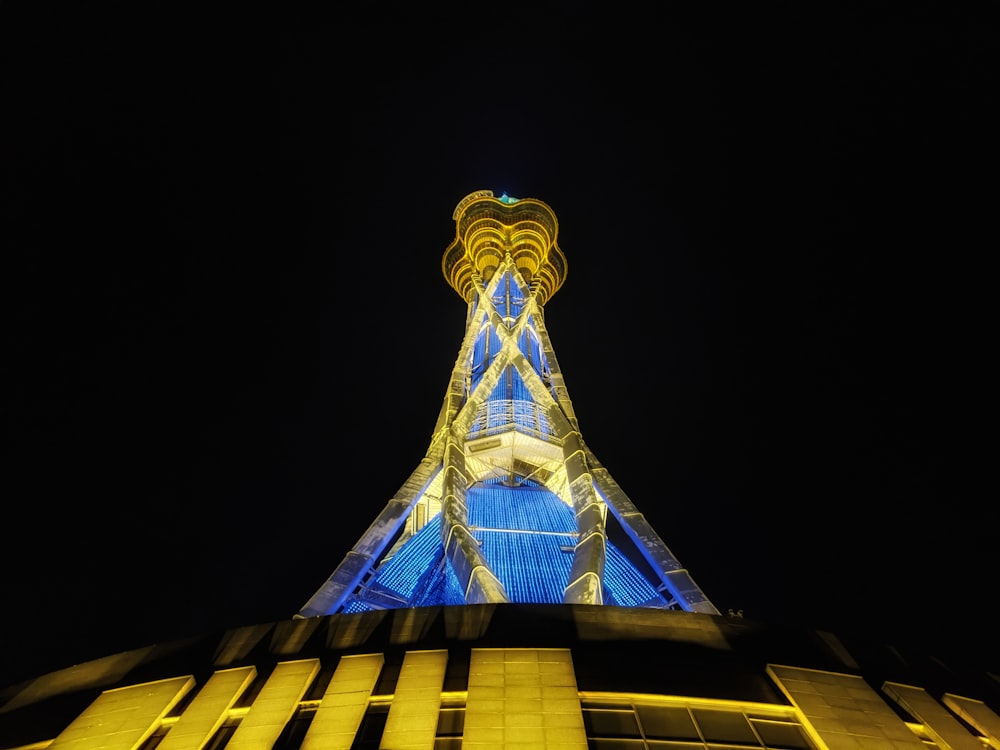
[
  {"x": 518, "y": 528},
  {"x": 525, "y": 533},
  {"x": 626, "y": 585}
]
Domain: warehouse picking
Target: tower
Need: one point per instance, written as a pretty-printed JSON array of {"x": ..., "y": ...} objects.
[
  {"x": 508, "y": 505},
  {"x": 509, "y": 595}
]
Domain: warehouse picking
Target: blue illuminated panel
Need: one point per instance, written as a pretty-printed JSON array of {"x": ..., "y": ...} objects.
[
  {"x": 509, "y": 298},
  {"x": 519, "y": 530},
  {"x": 487, "y": 344},
  {"x": 527, "y": 535},
  {"x": 625, "y": 585},
  {"x": 443, "y": 589},
  {"x": 407, "y": 575}
]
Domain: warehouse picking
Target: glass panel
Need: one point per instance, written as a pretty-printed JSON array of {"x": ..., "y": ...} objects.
[
  {"x": 387, "y": 678},
  {"x": 456, "y": 675},
  {"x": 372, "y": 727},
  {"x": 155, "y": 738},
  {"x": 603, "y": 723},
  {"x": 448, "y": 743},
  {"x": 778, "y": 734},
  {"x": 724, "y": 726},
  {"x": 294, "y": 732},
  {"x": 223, "y": 735},
  {"x": 618, "y": 744},
  {"x": 451, "y": 722},
  {"x": 667, "y": 722},
  {"x": 669, "y": 745}
]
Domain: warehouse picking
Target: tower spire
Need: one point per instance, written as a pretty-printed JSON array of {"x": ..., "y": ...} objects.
[{"x": 508, "y": 504}]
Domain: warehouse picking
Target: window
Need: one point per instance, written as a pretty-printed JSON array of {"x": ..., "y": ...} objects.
[{"x": 676, "y": 724}]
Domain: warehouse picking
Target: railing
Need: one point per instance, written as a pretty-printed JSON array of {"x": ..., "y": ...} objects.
[{"x": 500, "y": 415}]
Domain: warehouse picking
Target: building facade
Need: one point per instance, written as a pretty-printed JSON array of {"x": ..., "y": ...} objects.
[{"x": 509, "y": 595}]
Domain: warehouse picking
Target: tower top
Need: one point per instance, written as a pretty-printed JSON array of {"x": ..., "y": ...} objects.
[{"x": 488, "y": 229}]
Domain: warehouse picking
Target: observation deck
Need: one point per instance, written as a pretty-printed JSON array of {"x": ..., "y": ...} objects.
[{"x": 487, "y": 229}]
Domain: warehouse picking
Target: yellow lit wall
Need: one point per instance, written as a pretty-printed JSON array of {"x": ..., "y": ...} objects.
[
  {"x": 209, "y": 709},
  {"x": 344, "y": 703},
  {"x": 523, "y": 697},
  {"x": 122, "y": 719},
  {"x": 413, "y": 715},
  {"x": 843, "y": 711},
  {"x": 513, "y": 697},
  {"x": 272, "y": 709}
]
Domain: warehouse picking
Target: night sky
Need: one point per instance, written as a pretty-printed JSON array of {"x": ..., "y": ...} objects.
[{"x": 229, "y": 337}]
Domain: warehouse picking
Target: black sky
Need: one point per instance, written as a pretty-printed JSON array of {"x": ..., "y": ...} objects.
[{"x": 229, "y": 337}]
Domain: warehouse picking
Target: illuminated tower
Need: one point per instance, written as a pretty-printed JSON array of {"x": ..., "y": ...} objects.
[
  {"x": 509, "y": 504},
  {"x": 509, "y": 596}
]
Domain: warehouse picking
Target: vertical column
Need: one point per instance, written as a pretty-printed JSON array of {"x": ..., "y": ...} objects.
[
  {"x": 344, "y": 703},
  {"x": 841, "y": 710},
  {"x": 977, "y": 714},
  {"x": 274, "y": 706},
  {"x": 208, "y": 710},
  {"x": 942, "y": 726},
  {"x": 523, "y": 698},
  {"x": 124, "y": 718},
  {"x": 413, "y": 715},
  {"x": 558, "y": 382},
  {"x": 586, "y": 578},
  {"x": 667, "y": 567},
  {"x": 480, "y": 584}
]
